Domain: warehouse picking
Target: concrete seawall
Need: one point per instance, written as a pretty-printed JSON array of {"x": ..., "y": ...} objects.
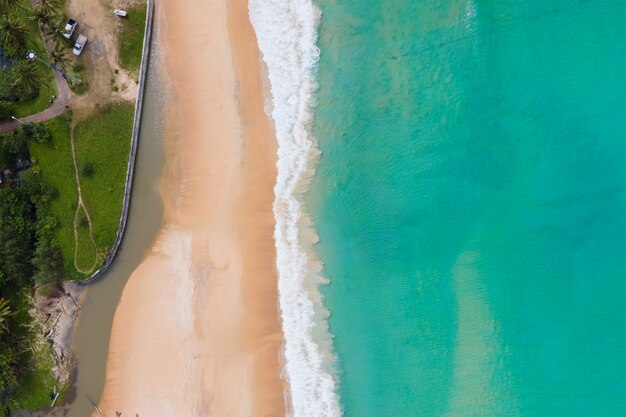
[{"x": 145, "y": 56}]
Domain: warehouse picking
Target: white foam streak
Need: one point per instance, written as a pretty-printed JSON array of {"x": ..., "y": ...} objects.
[{"x": 287, "y": 33}]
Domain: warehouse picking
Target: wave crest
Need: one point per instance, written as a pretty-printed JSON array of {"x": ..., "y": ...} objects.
[{"x": 286, "y": 31}]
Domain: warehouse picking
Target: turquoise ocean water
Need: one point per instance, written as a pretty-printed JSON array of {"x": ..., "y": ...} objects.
[{"x": 471, "y": 205}]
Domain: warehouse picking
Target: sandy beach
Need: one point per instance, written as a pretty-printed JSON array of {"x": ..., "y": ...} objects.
[{"x": 197, "y": 331}]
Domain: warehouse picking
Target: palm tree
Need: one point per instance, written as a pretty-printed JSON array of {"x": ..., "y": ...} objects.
[
  {"x": 5, "y": 313},
  {"x": 6, "y": 4},
  {"x": 28, "y": 77},
  {"x": 50, "y": 6},
  {"x": 43, "y": 17},
  {"x": 13, "y": 32},
  {"x": 57, "y": 55}
]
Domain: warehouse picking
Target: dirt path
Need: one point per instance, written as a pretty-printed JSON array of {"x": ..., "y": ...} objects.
[
  {"x": 81, "y": 206},
  {"x": 97, "y": 21},
  {"x": 58, "y": 107}
]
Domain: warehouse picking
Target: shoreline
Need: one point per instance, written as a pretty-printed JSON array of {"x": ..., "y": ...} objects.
[
  {"x": 287, "y": 36},
  {"x": 203, "y": 303}
]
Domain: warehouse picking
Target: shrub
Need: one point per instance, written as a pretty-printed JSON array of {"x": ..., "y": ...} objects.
[
  {"x": 87, "y": 170},
  {"x": 40, "y": 134},
  {"x": 6, "y": 110},
  {"x": 8, "y": 362},
  {"x": 34, "y": 131},
  {"x": 48, "y": 263}
]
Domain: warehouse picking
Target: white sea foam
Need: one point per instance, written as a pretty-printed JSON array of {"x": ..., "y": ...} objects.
[{"x": 287, "y": 33}]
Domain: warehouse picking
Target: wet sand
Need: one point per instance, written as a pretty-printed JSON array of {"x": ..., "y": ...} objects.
[{"x": 197, "y": 330}]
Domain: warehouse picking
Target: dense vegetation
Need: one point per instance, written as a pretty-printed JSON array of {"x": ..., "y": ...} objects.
[
  {"x": 27, "y": 87},
  {"x": 30, "y": 257}
]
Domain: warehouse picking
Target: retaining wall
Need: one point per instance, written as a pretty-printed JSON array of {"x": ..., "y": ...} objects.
[{"x": 143, "y": 71}]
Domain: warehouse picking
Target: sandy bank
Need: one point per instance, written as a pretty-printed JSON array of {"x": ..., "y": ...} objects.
[{"x": 197, "y": 331}]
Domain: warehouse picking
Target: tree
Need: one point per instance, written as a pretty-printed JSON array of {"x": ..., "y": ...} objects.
[
  {"x": 17, "y": 236},
  {"x": 27, "y": 80},
  {"x": 46, "y": 14},
  {"x": 6, "y": 84},
  {"x": 51, "y": 7},
  {"x": 7, "y": 4},
  {"x": 6, "y": 110},
  {"x": 13, "y": 34},
  {"x": 43, "y": 17},
  {"x": 57, "y": 55},
  {"x": 48, "y": 263},
  {"x": 33, "y": 131}
]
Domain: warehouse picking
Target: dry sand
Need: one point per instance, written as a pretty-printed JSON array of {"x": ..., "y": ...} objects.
[{"x": 197, "y": 331}]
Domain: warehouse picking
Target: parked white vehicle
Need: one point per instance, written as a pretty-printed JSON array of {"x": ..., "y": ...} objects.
[
  {"x": 79, "y": 45},
  {"x": 119, "y": 12},
  {"x": 70, "y": 27}
]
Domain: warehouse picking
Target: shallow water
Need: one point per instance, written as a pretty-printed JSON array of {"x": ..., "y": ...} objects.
[{"x": 471, "y": 205}]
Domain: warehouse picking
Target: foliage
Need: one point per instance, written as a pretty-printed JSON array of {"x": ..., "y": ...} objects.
[
  {"x": 6, "y": 110},
  {"x": 27, "y": 80},
  {"x": 13, "y": 35},
  {"x": 16, "y": 236},
  {"x": 7, "y": 4},
  {"x": 34, "y": 131},
  {"x": 8, "y": 377},
  {"x": 53, "y": 160},
  {"x": 14, "y": 145},
  {"x": 50, "y": 6},
  {"x": 86, "y": 170},
  {"x": 57, "y": 55},
  {"x": 48, "y": 262},
  {"x": 38, "y": 88},
  {"x": 29, "y": 253},
  {"x": 22, "y": 81},
  {"x": 130, "y": 41}
]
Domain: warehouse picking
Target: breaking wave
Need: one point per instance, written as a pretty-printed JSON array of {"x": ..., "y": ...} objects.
[{"x": 287, "y": 34}]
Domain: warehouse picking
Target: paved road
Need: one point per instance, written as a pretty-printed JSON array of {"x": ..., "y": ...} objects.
[{"x": 57, "y": 108}]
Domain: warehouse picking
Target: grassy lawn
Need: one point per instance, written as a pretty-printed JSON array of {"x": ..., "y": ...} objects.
[
  {"x": 103, "y": 144},
  {"x": 86, "y": 252},
  {"x": 35, "y": 43},
  {"x": 130, "y": 40},
  {"x": 39, "y": 103}
]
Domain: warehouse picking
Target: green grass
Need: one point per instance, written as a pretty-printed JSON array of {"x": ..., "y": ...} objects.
[
  {"x": 39, "y": 103},
  {"x": 103, "y": 142},
  {"x": 86, "y": 252},
  {"x": 130, "y": 39},
  {"x": 54, "y": 161},
  {"x": 35, "y": 43},
  {"x": 79, "y": 72}
]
